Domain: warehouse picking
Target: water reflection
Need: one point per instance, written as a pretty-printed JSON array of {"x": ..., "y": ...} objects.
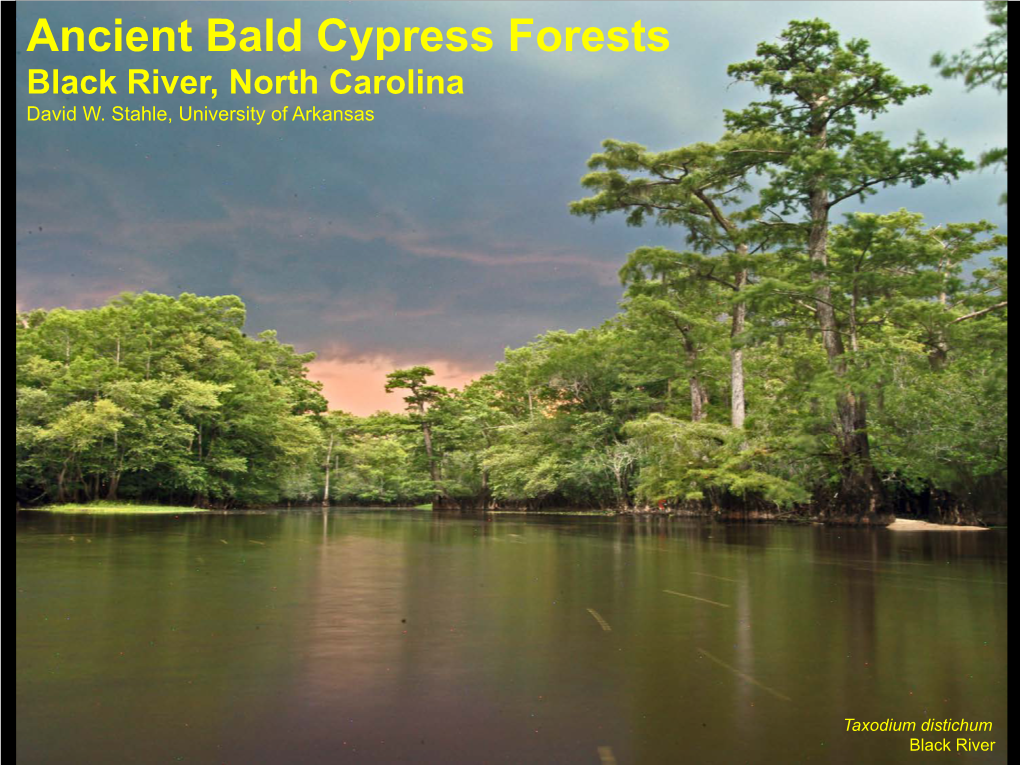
[{"x": 387, "y": 637}]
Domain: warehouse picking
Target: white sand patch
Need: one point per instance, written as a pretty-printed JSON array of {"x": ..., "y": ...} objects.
[{"x": 903, "y": 524}]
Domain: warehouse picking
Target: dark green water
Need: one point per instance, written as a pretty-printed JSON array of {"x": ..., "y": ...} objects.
[{"x": 374, "y": 637}]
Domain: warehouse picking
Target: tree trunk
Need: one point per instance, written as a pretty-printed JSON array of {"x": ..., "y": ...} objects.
[
  {"x": 329, "y": 461},
  {"x": 83, "y": 483},
  {"x": 859, "y": 491},
  {"x": 699, "y": 394},
  {"x": 938, "y": 355},
  {"x": 111, "y": 492},
  {"x": 62, "y": 484},
  {"x": 426, "y": 430},
  {"x": 699, "y": 400},
  {"x": 738, "y": 402}
]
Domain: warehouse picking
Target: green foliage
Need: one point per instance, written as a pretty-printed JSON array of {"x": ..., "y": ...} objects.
[
  {"x": 162, "y": 399},
  {"x": 696, "y": 461},
  {"x": 947, "y": 430},
  {"x": 379, "y": 470},
  {"x": 986, "y": 64},
  {"x": 819, "y": 89},
  {"x": 120, "y": 508},
  {"x": 421, "y": 395}
]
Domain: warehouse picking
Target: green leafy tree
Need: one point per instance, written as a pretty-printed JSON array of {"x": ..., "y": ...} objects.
[
  {"x": 160, "y": 398},
  {"x": 420, "y": 399},
  {"x": 685, "y": 462},
  {"x": 665, "y": 302},
  {"x": 819, "y": 88},
  {"x": 702, "y": 188}
]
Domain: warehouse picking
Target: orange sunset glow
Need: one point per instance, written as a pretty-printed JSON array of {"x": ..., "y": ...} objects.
[{"x": 359, "y": 385}]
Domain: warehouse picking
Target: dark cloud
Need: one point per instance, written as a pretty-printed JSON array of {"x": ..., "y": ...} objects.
[{"x": 440, "y": 231}]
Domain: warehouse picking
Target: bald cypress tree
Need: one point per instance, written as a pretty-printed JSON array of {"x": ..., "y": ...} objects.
[
  {"x": 420, "y": 399},
  {"x": 818, "y": 89},
  {"x": 703, "y": 188}
]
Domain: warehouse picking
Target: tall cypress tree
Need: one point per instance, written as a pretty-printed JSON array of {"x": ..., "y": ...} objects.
[
  {"x": 818, "y": 88},
  {"x": 703, "y": 188}
]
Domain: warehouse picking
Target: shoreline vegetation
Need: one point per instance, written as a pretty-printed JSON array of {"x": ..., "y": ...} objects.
[
  {"x": 795, "y": 359},
  {"x": 104, "y": 508}
]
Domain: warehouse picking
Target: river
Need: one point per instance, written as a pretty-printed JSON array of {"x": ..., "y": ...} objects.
[{"x": 389, "y": 637}]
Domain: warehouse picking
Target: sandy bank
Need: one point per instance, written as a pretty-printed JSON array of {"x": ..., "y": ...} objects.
[{"x": 903, "y": 524}]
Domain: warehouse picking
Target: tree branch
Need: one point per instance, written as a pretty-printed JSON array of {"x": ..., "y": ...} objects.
[{"x": 982, "y": 312}]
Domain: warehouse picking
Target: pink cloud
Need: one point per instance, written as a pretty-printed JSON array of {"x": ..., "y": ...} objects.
[
  {"x": 357, "y": 385},
  {"x": 65, "y": 290}
]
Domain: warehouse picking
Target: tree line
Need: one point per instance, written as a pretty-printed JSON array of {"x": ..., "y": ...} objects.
[{"x": 791, "y": 355}]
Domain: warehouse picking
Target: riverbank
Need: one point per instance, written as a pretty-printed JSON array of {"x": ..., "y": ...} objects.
[
  {"x": 112, "y": 508},
  {"x": 873, "y": 520},
  {"x": 754, "y": 517}
]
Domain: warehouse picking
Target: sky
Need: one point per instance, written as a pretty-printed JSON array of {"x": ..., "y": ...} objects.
[{"x": 439, "y": 233}]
